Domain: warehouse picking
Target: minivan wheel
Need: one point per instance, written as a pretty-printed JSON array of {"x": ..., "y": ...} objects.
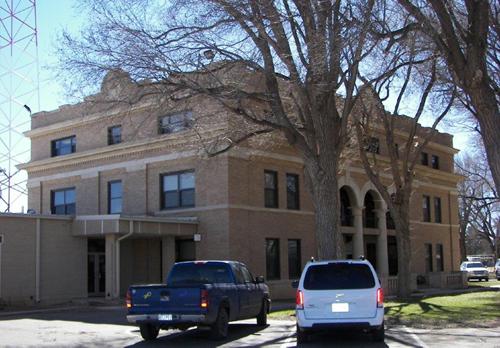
[
  {"x": 149, "y": 332},
  {"x": 302, "y": 335},
  {"x": 262, "y": 316},
  {"x": 219, "y": 328},
  {"x": 378, "y": 334}
]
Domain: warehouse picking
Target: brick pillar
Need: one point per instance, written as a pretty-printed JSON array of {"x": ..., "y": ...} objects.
[
  {"x": 357, "y": 240},
  {"x": 167, "y": 255},
  {"x": 382, "y": 253}
]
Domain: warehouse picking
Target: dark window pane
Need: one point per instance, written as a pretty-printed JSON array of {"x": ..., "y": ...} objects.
[
  {"x": 334, "y": 276},
  {"x": 114, "y": 135},
  {"x": 187, "y": 198},
  {"x": 272, "y": 259},
  {"x": 59, "y": 210},
  {"x": 294, "y": 259},
  {"x": 439, "y": 258},
  {"x": 71, "y": 209},
  {"x": 369, "y": 216},
  {"x": 346, "y": 217},
  {"x": 426, "y": 209},
  {"x": 424, "y": 158},
  {"x": 69, "y": 196},
  {"x": 437, "y": 209},
  {"x": 435, "y": 162},
  {"x": 171, "y": 199},
  {"x": 372, "y": 145},
  {"x": 270, "y": 179},
  {"x": 270, "y": 199},
  {"x": 190, "y": 274},
  {"x": 63, "y": 146},
  {"x": 176, "y": 122},
  {"x": 270, "y": 189},
  {"x": 292, "y": 191},
  {"x": 428, "y": 258}
]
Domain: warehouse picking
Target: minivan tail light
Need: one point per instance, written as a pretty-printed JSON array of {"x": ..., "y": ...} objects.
[
  {"x": 204, "y": 298},
  {"x": 380, "y": 298},
  {"x": 299, "y": 299},
  {"x": 128, "y": 299}
]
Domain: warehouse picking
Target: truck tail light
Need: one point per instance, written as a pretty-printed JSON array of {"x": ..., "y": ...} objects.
[
  {"x": 380, "y": 298},
  {"x": 128, "y": 299},
  {"x": 299, "y": 299},
  {"x": 204, "y": 299}
]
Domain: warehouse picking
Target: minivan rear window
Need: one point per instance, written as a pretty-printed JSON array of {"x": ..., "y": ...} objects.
[
  {"x": 334, "y": 276},
  {"x": 189, "y": 274}
]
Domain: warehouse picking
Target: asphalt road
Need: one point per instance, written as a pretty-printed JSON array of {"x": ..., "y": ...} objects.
[{"x": 106, "y": 327}]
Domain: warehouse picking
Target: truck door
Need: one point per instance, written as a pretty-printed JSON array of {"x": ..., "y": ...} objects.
[
  {"x": 255, "y": 294},
  {"x": 243, "y": 293}
]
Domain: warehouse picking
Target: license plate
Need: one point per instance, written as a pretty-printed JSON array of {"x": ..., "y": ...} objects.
[
  {"x": 340, "y": 307},
  {"x": 164, "y": 316}
]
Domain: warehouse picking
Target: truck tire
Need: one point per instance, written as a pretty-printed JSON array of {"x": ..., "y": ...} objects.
[
  {"x": 219, "y": 328},
  {"x": 262, "y": 316},
  {"x": 149, "y": 332}
]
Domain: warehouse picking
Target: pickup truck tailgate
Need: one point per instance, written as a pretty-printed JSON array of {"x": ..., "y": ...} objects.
[{"x": 160, "y": 298}]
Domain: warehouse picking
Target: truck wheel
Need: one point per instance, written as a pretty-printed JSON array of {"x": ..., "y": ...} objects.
[
  {"x": 149, "y": 332},
  {"x": 262, "y": 316},
  {"x": 378, "y": 335},
  {"x": 302, "y": 335},
  {"x": 219, "y": 328}
]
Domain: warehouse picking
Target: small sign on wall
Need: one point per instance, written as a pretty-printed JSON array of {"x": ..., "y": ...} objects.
[
  {"x": 1, "y": 238},
  {"x": 197, "y": 237}
]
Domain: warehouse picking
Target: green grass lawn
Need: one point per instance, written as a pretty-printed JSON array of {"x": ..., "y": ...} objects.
[
  {"x": 471, "y": 309},
  {"x": 483, "y": 284}
]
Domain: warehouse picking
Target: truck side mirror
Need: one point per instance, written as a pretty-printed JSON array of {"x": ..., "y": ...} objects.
[
  {"x": 295, "y": 284},
  {"x": 259, "y": 279}
]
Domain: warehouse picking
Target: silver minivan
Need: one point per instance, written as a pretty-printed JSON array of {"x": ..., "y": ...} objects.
[{"x": 339, "y": 294}]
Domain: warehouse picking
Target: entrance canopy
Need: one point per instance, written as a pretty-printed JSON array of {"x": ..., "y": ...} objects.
[{"x": 136, "y": 226}]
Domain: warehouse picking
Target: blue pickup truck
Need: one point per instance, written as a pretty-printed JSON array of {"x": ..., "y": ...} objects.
[{"x": 199, "y": 293}]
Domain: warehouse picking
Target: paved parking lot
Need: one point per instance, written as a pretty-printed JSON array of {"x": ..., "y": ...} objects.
[{"x": 106, "y": 327}]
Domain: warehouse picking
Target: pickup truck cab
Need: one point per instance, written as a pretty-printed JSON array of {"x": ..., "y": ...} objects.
[{"x": 199, "y": 293}]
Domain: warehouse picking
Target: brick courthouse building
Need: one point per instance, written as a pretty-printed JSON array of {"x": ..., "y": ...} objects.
[{"x": 119, "y": 191}]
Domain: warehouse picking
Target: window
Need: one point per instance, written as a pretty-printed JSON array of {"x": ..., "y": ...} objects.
[
  {"x": 435, "y": 161},
  {"x": 177, "y": 190},
  {"x": 396, "y": 147},
  {"x": 426, "y": 209},
  {"x": 114, "y": 135},
  {"x": 437, "y": 209},
  {"x": 292, "y": 192},
  {"x": 424, "y": 159},
  {"x": 372, "y": 145},
  {"x": 339, "y": 275},
  {"x": 175, "y": 122},
  {"x": 428, "y": 258},
  {"x": 63, "y": 146},
  {"x": 272, "y": 259},
  {"x": 439, "y": 258},
  {"x": 389, "y": 221},
  {"x": 294, "y": 259},
  {"x": 114, "y": 197},
  {"x": 62, "y": 202},
  {"x": 271, "y": 189}
]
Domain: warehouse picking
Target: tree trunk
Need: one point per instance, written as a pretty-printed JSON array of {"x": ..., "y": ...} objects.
[
  {"x": 323, "y": 186},
  {"x": 488, "y": 116},
  {"x": 401, "y": 219}
]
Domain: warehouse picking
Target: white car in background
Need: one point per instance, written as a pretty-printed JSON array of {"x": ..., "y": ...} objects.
[
  {"x": 475, "y": 270},
  {"x": 339, "y": 294}
]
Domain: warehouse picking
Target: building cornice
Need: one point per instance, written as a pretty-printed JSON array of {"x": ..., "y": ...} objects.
[
  {"x": 119, "y": 150},
  {"x": 82, "y": 121}
]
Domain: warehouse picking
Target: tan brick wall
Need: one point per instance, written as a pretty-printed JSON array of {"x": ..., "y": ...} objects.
[{"x": 63, "y": 267}]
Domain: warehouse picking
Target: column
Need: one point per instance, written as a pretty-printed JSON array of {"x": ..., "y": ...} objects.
[
  {"x": 110, "y": 258},
  {"x": 382, "y": 257},
  {"x": 358, "y": 248},
  {"x": 167, "y": 255}
]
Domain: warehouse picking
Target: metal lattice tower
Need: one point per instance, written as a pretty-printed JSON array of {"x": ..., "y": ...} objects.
[{"x": 19, "y": 95}]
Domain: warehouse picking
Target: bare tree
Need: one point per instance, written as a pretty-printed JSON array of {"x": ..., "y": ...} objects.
[
  {"x": 466, "y": 33},
  {"x": 304, "y": 55},
  {"x": 479, "y": 202}
]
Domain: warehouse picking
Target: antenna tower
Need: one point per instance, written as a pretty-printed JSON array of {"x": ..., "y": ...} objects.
[{"x": 19, "y": 96}]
